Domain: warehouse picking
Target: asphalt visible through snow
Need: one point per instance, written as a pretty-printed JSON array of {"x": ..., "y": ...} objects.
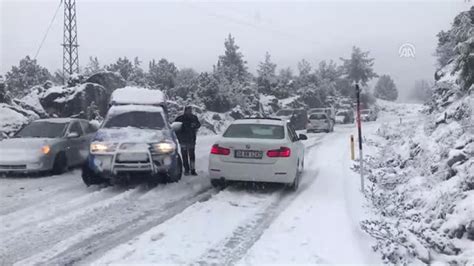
[{"x": 57, "y": 220}]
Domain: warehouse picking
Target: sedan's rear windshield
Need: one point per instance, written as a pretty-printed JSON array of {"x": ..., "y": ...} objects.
[
  {"x": 138, "y": 119},
  {"x": 317, "y": 117},
  {"x": 42, "y": 129},
  {"x": 255, "y": 131}
]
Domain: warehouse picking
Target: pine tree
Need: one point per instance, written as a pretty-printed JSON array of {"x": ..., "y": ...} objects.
[
  {"x": 93, "y": 66},
  {"x": 266, "y": 79},
  {"x": 123, "y": 66},
  {"x": 386, "y": 89},
  {"x": 359, "y": 68},
  {"x": 231, "y": 66},
  {"x": 421, "y": 90},
  {"x": 28, "y": 74},
  {"x": 162, "y": 75}
]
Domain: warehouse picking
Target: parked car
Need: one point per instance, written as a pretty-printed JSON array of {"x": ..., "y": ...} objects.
[
  {"x": 134, "y": 140},
  {"x": 258, "y": 150},
  {"x": 54, "y": 145},
  {"x": 368, "y": 115},
  {"x": 297, "y": 117},
  {"x": 345, "y": 117},
  {"x": 319, "y": 122}
]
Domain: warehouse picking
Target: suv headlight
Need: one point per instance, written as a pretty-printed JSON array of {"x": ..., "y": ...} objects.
[
  {"x": 102, "y": 147},
  {"x": 163, "y": 147}
]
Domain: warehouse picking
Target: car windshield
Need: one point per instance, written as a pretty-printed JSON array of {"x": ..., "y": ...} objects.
[
  {"x": 365, "y": 112},
  {"x": 255, "y": 131},
  {"x": 317, "y": 117},
  {"x": 138, "y": 119},
  {"x": 284, "y": 112},
  {"x": 341, "y": 113},
  {"x": 42, "y": 129}
]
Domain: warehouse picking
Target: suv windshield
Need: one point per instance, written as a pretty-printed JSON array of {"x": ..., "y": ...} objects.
[
  {"x": 138, "y": 119},
  {"x": 42, "y": 129},
  {"x": 255, "y": 131},
  {"x": 284, "y": 112}
]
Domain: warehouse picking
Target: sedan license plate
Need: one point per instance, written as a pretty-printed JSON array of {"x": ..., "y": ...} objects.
[{"x": 248, "y": 154}]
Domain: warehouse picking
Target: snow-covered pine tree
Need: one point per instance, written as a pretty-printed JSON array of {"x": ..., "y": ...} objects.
[
  {"x": 266, "y": 77},
  {"x": 162, "y": 74},
  {"x": 93, "y": 66},
  {"x": 359, "y": 68},
  {"x": 386, "y": 89},
  {"x": 28, "y": 74}
]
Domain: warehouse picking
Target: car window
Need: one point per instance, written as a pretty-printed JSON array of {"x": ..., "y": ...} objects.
[
  {"x": 138, "y": 119},
  {"x": 87, "y": 127},
  {"x": 255, "y": 131},
  {"x": 292, "y": 133},
  {"x": 76, "y": 128},
  {"x": 42, "y": 129},
  {"x": 318, "y": 117}
]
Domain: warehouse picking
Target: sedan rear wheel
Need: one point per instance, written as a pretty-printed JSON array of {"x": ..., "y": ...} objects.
[{"x": 296, "y": 183}]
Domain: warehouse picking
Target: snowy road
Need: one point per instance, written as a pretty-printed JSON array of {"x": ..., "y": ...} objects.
[{"x": 57, "y": 220}]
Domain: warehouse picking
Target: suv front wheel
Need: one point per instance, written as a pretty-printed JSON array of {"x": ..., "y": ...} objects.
[{"x": 174, "y": 175}]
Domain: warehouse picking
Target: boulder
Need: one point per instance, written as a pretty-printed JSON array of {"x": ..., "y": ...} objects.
[
  {"x": 109, "y": 80},
  {"x": 75, "y": 101}
]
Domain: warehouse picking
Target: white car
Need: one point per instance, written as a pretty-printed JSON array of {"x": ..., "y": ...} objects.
[{"x": 258, "y": 150}]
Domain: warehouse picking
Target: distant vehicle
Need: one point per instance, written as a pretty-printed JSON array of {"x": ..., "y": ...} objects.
[
  {"x": 345, "y": 117},
  {"x": 368, "y": 115},
  {"x": 297, "y": 117},
  {"x": 320, "y": 122},
  {"x": 330, "y": 111},
  {"x": 134, "y": 140},
  {"x": 44, "y": 145},
  {"x": 258, "y": 150}
]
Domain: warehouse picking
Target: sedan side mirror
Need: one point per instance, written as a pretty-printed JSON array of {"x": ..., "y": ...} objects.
[
  {"x": 72, "y": 135},
  {"x": 176, "y": 126},
  {"x": 302, "y": 137}
]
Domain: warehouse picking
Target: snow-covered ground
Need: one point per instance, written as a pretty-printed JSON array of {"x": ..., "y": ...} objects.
[{"x": 57, "y": 220}]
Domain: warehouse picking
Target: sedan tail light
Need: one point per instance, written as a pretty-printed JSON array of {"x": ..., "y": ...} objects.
[
  {"x": 216, "y": 149},
  {"x": 281, "y": 152}
]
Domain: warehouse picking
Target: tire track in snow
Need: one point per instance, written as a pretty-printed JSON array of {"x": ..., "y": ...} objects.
[
  {"x": 86, "y": 250},
  {"x": 40, "y": 194},
  {"x": 87, "y": 231},
  {"x": 232, "y": 249},
  {"x": 26, "y": 217}
]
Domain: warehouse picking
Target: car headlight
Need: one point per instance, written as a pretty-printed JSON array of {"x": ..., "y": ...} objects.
[
  {"x": 102, "y": 147},
  {"x": 163, "y": 147},
  {"x": 45, "y": 149}
]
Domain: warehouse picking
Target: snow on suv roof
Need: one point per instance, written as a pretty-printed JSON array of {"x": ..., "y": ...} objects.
[
  {"x": 137, "y": 95},
  {"x": 117, "y": 109},
  {"x": 265, "y": 121}
]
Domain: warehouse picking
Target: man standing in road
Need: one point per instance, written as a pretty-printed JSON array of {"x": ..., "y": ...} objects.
[{"x": 187, "y": 139}]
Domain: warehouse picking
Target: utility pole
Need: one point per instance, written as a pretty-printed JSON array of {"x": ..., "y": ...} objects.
[
  {"x": 70, "y": 46},
  {"x": 359, "y": 127}
]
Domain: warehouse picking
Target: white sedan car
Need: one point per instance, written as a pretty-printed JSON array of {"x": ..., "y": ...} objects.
[{"x": 258, "y": 150}]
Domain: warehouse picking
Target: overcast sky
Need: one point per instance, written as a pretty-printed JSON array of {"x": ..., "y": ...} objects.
[{"x": 191, "y": 34}]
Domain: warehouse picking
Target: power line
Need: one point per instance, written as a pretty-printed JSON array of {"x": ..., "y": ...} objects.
[{"x": 49, "y": 28}]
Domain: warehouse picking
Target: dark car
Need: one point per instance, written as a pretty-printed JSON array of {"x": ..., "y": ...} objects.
[{"x": 298, "y": 117}]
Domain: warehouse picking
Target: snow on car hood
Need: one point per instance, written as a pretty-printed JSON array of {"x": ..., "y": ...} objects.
[
  {"x": 22, "y": 149},
  {"x": 24, "y": 143},
  {"x": 130, "y": 134}
]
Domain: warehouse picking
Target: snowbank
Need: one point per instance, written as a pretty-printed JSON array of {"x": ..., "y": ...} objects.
[{"x": 421, "y": 186}]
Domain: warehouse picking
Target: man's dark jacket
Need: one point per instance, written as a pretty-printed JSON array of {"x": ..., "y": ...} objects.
[{"x": 187, "y": 133}]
